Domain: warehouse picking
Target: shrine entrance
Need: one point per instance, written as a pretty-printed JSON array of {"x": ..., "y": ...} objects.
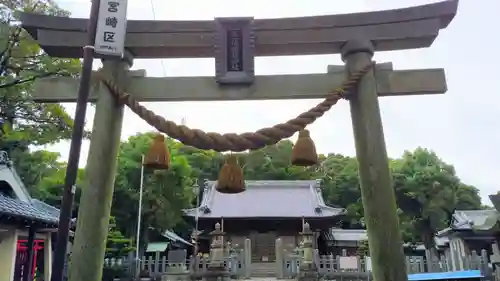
[
  {"x": 263, "y": 248},
  {"x": 234, "y": 43},
  {"x": 22, "y": 259}
]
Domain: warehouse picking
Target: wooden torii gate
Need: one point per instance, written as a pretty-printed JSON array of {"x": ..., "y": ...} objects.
[{"x": 355, "y": 36}]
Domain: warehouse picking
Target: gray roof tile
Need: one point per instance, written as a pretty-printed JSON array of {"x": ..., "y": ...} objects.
[
  {"x": 474, "y": 219},
  {"x": 263, "y": 199},
  {"x": 174, "y": 237},
  {"x": 339, "y": 234},
  {"x": 22, "y": 206},
  {"x": 29, "y": 210},
  {"x": 348, "y": 234}
]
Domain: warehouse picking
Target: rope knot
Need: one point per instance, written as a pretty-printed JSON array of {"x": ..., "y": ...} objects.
[{"x": 342, "y": 94}]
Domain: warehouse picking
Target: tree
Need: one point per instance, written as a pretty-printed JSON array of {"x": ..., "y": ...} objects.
[
  {"x": 32, "y": 167},
  {"x": 165, "y": 194},
  {"x": 51, "y": 187},
  {"x": 341, "y": 186},
  {"x": 273, "y": 163},
  {"x": 205, "y": 164},
  {"x": 24, "y": 123},
  {"x": 428, "y": 191},
  {"x": 269, "y": 163},
  {"x": 117, "y": 245},
  {"x": 22, "y": 62},
  {"x": 43, "y": 175}
]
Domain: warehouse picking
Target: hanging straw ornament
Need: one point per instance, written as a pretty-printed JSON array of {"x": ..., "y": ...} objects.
[
  {"x": 304, "y": 150},
  {"x": 231, "y": 179},
  {"x": 158, "y": 156}
]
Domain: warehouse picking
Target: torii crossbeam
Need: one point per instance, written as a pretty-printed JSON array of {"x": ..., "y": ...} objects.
[
  {"x": 268, "y": 87},
  {"x": 355, "y": 36}
]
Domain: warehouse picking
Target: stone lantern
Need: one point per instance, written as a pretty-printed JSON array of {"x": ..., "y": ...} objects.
[
  {"x": 217, "y": 247},
  {"x": 216, "y": 271},
  {"x": 307, "y": 269},
  {"x": 194, "y": 241},
  {"x": 307, "y": 245}
]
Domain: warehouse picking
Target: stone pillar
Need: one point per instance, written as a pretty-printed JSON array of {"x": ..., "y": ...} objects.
[
  {"x": 377, "y": 192},
  {"x": 87, "y": 257},
  {"x": 461, "y": 252},
  {"x": 279, "y": 258},
  {"x": 47, "y": 256},
  {"x": 8, "y": 253},
  {"x": 453, "y": 255},
  {"x": 248, "y": 257},
  {"x": 495, "y": 258}
]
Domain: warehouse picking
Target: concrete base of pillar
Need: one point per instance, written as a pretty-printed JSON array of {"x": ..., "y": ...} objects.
[
  {"x": 216, "y": 273},
  {"x": 308, "y": 273}
]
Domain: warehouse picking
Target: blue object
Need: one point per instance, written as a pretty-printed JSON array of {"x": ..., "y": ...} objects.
[{"x": 451, "y": 275}]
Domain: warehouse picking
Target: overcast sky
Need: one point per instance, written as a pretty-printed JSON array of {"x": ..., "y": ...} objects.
[{"x": 458, "y": 126}]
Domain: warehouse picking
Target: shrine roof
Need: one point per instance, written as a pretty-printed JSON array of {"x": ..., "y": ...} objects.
[
  {"x": 33, "y": 211},
  {"x": 266, "y": 199},
  {"x": 475, "y": 219},
  {"x": 346, "y": 234},
  {"x": 472, "y": 220},
  {"x": 16, "y": 204},
  {"x": 338, "y": 234}
]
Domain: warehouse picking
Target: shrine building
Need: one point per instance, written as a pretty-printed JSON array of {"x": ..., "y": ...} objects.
[{"x": 265, "y": 211}]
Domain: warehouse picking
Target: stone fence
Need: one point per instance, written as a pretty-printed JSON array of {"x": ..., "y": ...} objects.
[{"x": 237, "y": 263}]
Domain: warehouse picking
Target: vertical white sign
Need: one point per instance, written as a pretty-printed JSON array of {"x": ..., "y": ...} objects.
[{"x": 111, "y": 28}]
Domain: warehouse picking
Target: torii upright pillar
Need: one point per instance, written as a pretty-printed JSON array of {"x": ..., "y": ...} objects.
[
  {"x": 379, "y": 202},
  {"x": 87, "y": 257}
]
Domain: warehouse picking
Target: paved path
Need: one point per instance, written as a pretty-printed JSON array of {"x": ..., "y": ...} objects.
[{"x": 269, "y": 279}]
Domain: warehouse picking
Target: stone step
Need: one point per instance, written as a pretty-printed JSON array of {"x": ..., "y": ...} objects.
[
  {"x": 266, "y": 275},
  {"x": 263, "y": 265},
  {"x": 262, "y": 252},
  {"x": 263, "y": 269},
  {"x": 263, "y": 274},
  {"x": 259, "y": 259}
]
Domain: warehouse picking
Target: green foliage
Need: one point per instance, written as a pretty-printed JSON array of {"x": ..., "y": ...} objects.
[
  {"x": 165, "y": 193},
  {"x": 273, "y": 163},
  {"x": 117, "y": 245},
  {"x": 427, "y": 189},
  {"x": 26, "y": 124},
  {"x": 363, "y": 249},
  {"x": 43, "y": 175},
  {"x": 341, "y": 185},
  {"x": 22, "y": 62}
]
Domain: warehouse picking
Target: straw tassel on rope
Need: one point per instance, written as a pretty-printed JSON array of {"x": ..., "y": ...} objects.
[
  {"x": 158, "y": 156},
  {"x": 304, "y": 150},
  {"x": 231, "y": 179}
]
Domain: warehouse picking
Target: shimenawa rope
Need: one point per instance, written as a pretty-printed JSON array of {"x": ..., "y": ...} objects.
[{"x": 235, "y": 142}]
